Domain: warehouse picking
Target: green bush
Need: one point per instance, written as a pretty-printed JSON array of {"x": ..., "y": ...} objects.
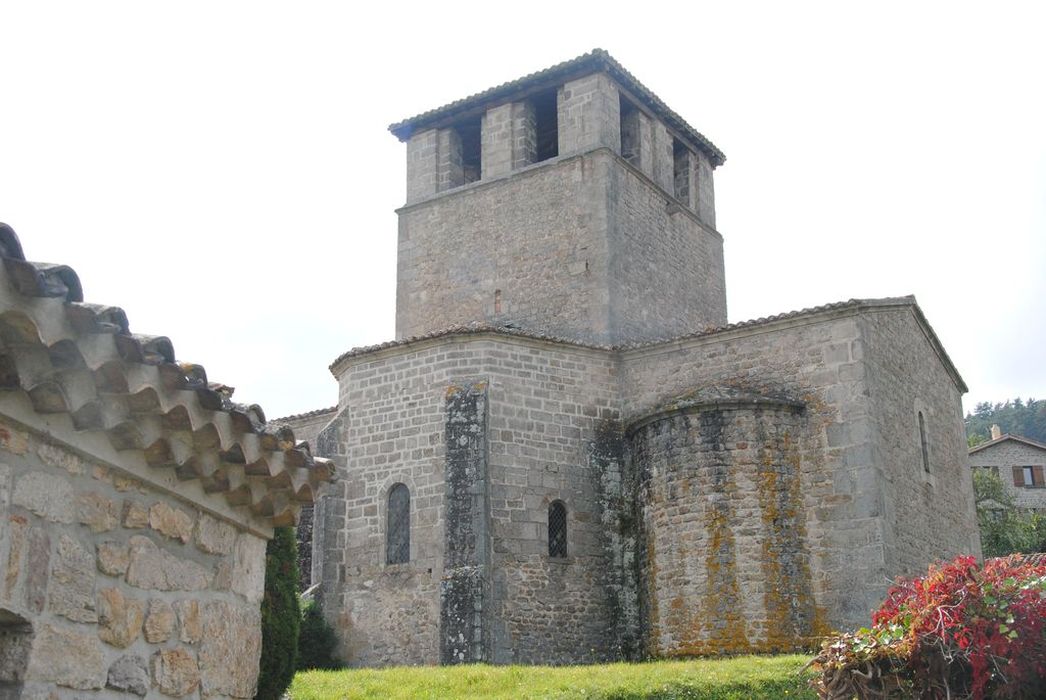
[
  {"x": 280, "y": 616},
  {"x": 316, "y": 641}
]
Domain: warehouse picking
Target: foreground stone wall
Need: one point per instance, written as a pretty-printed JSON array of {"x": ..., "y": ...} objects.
[
  {"x": 1006, "y": 455},
  {"x": 110, "y": 585}
]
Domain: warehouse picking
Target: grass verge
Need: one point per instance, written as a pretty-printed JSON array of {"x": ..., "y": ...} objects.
[{"x": 699, "y": 679}]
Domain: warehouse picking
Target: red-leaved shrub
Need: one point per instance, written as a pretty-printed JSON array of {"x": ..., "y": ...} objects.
[{"x": 961, "y": 631}]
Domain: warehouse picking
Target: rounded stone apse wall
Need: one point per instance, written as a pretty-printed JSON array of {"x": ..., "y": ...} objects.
[{"x": 722, "y": 553}]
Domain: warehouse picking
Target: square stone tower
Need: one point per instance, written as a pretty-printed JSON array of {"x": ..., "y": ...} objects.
[{"x": 571, "y": 201}]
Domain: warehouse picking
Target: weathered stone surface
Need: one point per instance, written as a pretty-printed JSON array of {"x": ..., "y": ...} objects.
[
  {"x": 113, "y": 558},
  {"x": 13, "y": 440},
  {"x": 135, "y": 515},
  {"x": 223, "y": 575},
  {"x": 214, "y": 536},
  {"x": 152, "y": 568},
  {"x": 38, "y": 568},
  {"x": 175, "y": 671},
  {"x": 190, "y": 626},
  {"x": 130, "y": 674},
  {"x": 69, "y": 658},
  {"x": 18, "y": 527},
  {"x": 125, "y": 483},
  {"x": 172, "y": 522},
  {"x": 119, "y": 617},
  {"x": 72, "y": 582},
  {"x": 230, "y": 649},
  {"x": 160, "y": 622},
  {"x": 96, "y": 511},
  {"x": 55, "y": 456},
  {"x": 248, "y": 574},
  {"x": 48, "y": 496}
]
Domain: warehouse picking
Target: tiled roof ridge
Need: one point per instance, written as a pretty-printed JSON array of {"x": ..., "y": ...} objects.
[
  {"x": 306, "y": 414},
  {"x": 478, "y": 327},
  {"x": 599, "y": 58},
  {"x": 1008, "y": 436},
  {"x": 80, "y": 359}
]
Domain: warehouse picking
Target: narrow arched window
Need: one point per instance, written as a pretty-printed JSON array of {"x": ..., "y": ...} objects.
[
  {"x": 557, "y": 529},
  {"x": 923, "y": 443},
  {"x": 397, "y": 543}
]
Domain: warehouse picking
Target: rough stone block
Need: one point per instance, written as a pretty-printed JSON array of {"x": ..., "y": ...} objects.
[
  {"x": 248, "y": 573},
  {"x": 159, "y": 623},
  {"x": 130, "y": 674},
  {"x": 119, "y": 618},
  {"x": 113, "y": 558},
  {"x": 152, "y": 568},
  {"x": 190, "y": 625},
  {"x": 214, "y": 536},
  {"x": 135, "y": 515},
  {"x": 71, "y": 591},
  {"x": 48, "y": 496},
  {"x": 230, "y": 649},
  {"x": 172, "y": 522},
  {"x": 96, "y": 511},
  {"x": 67, "y": 657},
  {"x": 176, "y": 672}
]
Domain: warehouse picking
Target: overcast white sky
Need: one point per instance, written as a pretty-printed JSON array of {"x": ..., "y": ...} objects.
[{"x": 223, "y": 172}]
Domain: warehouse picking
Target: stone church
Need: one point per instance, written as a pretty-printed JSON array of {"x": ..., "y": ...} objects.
[{"x": 569, "y": 455}]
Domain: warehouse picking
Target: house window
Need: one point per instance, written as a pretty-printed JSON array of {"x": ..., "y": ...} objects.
[
  {"x": 923, "y": 443},
  {"x": 557, "y": 530},
  {"x": 397, "y": 550},
  {"x": 1028, "y": 476}
]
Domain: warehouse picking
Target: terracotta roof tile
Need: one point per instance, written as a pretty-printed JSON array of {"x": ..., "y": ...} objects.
[{"x": 79, "y": 359}]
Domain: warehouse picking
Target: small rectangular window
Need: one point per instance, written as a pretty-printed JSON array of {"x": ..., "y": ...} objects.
[{"x": 1029, "y": 476}]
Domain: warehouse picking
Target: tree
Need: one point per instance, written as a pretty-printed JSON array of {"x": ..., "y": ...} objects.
[
  {"x": 280, "y": 614},
  {"x": 317, "y": 641},
  {"x": 1004, "y": 528}
]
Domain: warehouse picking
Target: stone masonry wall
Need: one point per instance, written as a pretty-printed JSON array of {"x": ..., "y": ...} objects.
[
  {"x": 926, "y": 516},
  {"x": 547, "y": 410},
  {"x": 817, "y": 360},
  {"x": 666, "y": 273},
  {"x": 1009, "y": 454},
  {"x": 119, "y": 587},
  {"x": 548, "y": 261},
  {"x": 725, "y": 566},
  {"x": 606, "y": 256}
]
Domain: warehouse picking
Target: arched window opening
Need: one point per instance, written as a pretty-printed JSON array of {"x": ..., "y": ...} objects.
[
  {"x": 557, "y": 529},
  {"x": 923, "y": 442},
  {"x": 397, "y": 549}
]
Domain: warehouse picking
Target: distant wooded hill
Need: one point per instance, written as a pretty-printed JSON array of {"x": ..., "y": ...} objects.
[{"x": 1016, "y": 417}]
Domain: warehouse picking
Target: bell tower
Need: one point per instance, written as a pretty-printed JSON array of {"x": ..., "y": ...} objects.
[{"x": 571, "y": 202}]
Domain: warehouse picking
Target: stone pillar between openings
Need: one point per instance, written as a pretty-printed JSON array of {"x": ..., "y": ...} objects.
[
  {"x": 451, "y": 172},
  {"x": 464, "y": 627},
  {"x": 422, "y": 165},
  {"x": 496, "y": 138},
  {"x": 589, "y": 114},
  {"x": 661, "y": 170},
  {"x": 705, "y": 191}
]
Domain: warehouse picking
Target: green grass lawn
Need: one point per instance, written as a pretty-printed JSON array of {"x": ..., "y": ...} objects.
[{"x": 713, "y": 679}]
